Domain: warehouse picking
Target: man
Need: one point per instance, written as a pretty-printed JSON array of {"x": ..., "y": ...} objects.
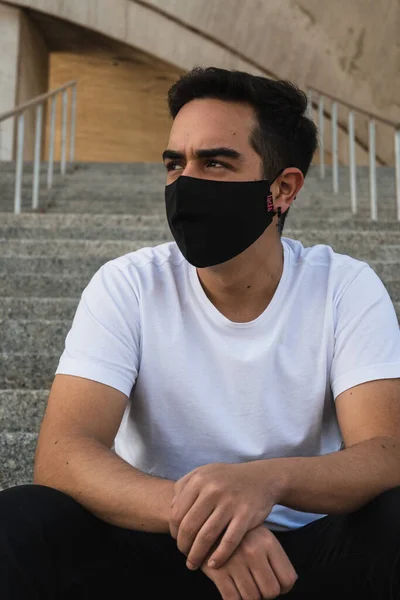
[{"x": 230, "y": 368}]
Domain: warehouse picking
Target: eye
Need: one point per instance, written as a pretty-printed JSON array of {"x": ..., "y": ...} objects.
[
  {"x": 170, "y": 165},
  {"x": 216, "y": 162}
]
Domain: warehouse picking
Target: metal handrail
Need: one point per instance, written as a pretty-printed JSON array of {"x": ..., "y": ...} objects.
[
  {"x": 35, "y": 101},
  {"x": 373, "y": 119},
  {"x": 360, "y": 111},
  {"x": 38, "y": 103}
]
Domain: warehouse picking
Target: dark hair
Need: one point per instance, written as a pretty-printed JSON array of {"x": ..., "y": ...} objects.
[{"x": 285, "y": 136}]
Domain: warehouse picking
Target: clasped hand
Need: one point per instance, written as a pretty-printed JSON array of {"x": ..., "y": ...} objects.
[
  {"x": 258, "y": 569},
  {"x": 220, "y": 503}
]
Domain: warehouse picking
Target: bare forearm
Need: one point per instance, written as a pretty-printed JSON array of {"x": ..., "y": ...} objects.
[
  {"x": 341, "y": 482},
  {"x": 106, "y": 485}
]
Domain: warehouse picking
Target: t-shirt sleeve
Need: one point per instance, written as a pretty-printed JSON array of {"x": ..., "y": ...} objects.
[
  {"x": 103, "y": 343},
  {"x": 367, "y": 334}
]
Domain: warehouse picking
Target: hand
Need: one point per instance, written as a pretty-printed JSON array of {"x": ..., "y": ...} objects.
[
  {"x": 221, "y": 498},
  {"x": 258, "y": 569}
]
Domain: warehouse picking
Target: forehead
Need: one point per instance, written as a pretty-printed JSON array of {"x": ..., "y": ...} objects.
[{"x": 212, "y": 122}]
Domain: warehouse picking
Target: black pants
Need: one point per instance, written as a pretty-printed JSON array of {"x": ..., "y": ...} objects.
[{"x": 53, "y": 548}]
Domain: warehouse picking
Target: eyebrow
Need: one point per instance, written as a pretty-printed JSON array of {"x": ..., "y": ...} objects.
[{"x": 206, "y": 153}]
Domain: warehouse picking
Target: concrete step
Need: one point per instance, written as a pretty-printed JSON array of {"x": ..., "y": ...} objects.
[
  {"x": 91, "y": 207},
  {"x": 163, "y": 233},
  {"x": 38, "y": 308},
  {"x": 136, "y": 206},
  {"x": 362, "y": 248},
  {"x": 96, "y": 167},
  {"x": 94, "y": 220},
  {"x": 88, "y": 193},
  {"x": 147, "y": 204},
  {"x": 72, "y": 248},
  {"x": 21, "y": 285},
  {"x": 30, "y": 336},
  {"x": 147, "y": 168},
  {"x": 28, "y": 371},
  {"x": 325, "y": 200},
  {"x": 55, "y": 286},
  {"x": 22, "y": 410},
  {"x": 303, "y": 219},
  {"x": 73, "y": 199},
  {"x": 17, "y": 454},
  {"x": 158, "y": 226},
  {"x": 83, "y": 266},
  {"x": 139, "y": 233},
  {"x": 63, "y": 309}
]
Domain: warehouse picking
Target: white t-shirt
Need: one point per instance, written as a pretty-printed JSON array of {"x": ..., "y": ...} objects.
[{"x": 203, "y": 389}]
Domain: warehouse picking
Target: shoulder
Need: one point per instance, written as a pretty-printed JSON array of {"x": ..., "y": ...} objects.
[
  {"x": 322, "y": 263},
  {"x": 144, "y": 264}
]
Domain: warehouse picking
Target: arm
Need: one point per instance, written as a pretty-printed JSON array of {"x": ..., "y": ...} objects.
[
  {"x": 107, "y": 486},
  {"x": 86, "y": 405},
  {"x": 74, "y": 456},
  {"x": 369, "y": 418}
]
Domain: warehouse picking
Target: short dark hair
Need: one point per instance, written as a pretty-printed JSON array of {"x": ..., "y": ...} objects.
[{"x": 285, "y": 136}]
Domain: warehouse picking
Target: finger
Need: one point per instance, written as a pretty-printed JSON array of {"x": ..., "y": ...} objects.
[
  {"x": 192, "y": 524},
  {"x": 183, "y": 503},
  {"x": 282, "y": 567},
  {"x": 227, "y": 588},
  {"x": 182, "y": 482},
  {"x": 231, "y": 539},
  {"x": 266, "y": 580},
  {"x": 245, "y": 583},
  {"x": 207, "y": 537}
]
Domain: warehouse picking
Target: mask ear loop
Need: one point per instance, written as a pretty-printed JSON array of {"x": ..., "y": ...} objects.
[
  {"x": 280, "y": 220},
  {"x": 279, "y": 210}
]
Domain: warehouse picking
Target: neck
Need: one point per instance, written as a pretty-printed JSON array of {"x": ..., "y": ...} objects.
[{"x": 243, "y": 287}]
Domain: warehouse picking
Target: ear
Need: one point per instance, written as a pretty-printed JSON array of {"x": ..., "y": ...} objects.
[{"x": 286, "y": 187}]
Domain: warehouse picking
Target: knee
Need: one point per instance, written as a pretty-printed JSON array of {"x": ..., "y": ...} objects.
[
  {"x": 31, "y": 502},
  {"x": 382, "y": 514}
]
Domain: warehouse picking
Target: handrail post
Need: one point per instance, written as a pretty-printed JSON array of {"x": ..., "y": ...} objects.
[
  {"x": 372, "y": 170},
  {"x": 64, "y": 123},
  {"x": 73, "y": 125},
  {"x": 38, "y": 152},
  {"x": 335, "y": 154},
  {"x": 321, "y": 137},
  {"x": 20, "y": 163},
  {"x": 51, "y": 148},
  {"x": 353, "y": 163},
  {"x": 309, "y": 104},
  {"x": 397, "y": 155}
]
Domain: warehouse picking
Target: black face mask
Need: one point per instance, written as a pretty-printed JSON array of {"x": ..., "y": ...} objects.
[{"x": 214, "y": 221}]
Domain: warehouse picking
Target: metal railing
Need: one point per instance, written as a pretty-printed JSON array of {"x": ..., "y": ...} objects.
[
  {"x": 68, "y": 106},
  {"x": 320, "y": 105}
]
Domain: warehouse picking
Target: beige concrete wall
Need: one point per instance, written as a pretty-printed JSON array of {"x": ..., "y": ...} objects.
[
  {"x": 33, "y": 76},
  {"x": 122, "y": 113},
  {"x": 9, "y": 48},
  {"x": 348, "y": 48},
  {"x": 23, "y": 75}
]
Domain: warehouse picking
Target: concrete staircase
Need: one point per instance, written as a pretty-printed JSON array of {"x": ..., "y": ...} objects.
[{"x": 105, "y": 211}]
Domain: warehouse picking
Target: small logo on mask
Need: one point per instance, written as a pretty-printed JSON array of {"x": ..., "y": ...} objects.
[{"x": 270, "y": 203}]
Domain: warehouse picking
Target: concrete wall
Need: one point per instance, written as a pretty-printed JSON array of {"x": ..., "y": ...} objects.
[
  {"x": 23, "y": 75},
  {"x": 33, "y": 76},
  {"x": 122, "y": 114},
  {"x": 9, "y": 48},
  {"x": 347, "y": 48}
]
